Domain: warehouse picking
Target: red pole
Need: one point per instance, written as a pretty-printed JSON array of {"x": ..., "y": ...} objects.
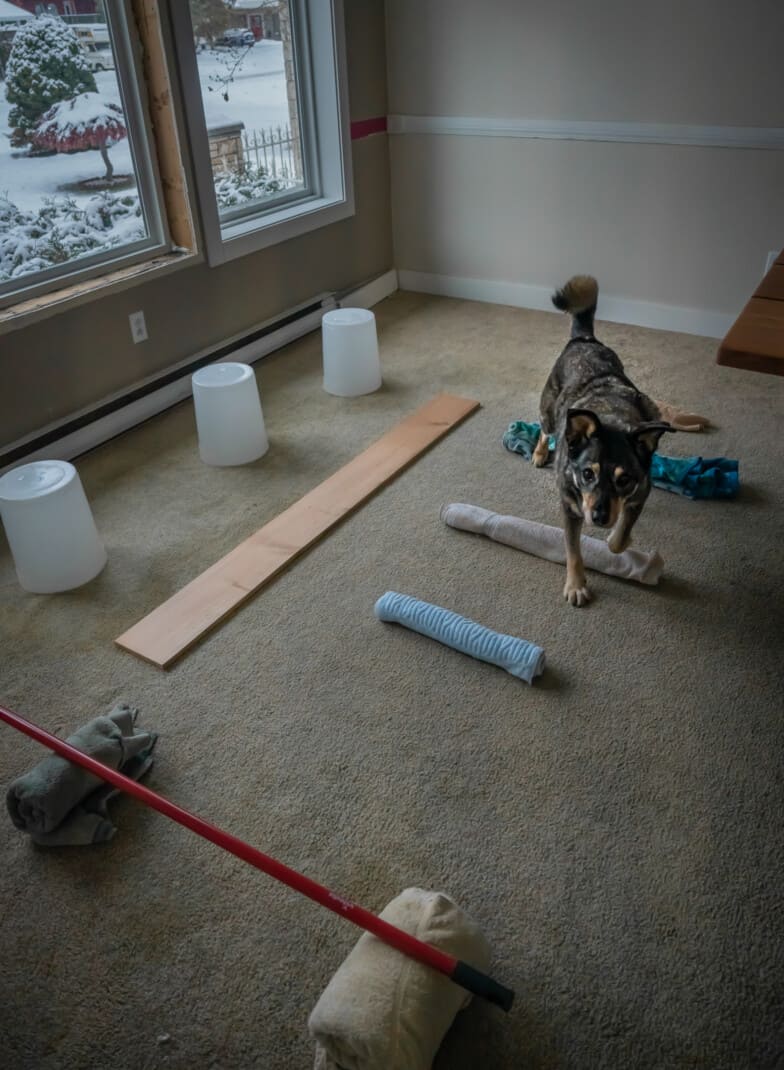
[{"x": 458, "y": 971}]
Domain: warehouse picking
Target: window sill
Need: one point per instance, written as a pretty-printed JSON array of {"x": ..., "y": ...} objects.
[
  {"x": 247, "y": 235},
  {"x": 44, "y": 306}
]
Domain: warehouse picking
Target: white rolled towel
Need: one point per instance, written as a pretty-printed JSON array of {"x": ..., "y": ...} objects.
[
  {"x": 545, "y": 541},
  {"x": 382, "y": 1009}
]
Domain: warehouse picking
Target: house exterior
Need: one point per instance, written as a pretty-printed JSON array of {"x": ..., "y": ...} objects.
[
  {"x": 263, "y": 18},
  {"x": 11, "y": 14},
  {"x": 61, "y": 7}
]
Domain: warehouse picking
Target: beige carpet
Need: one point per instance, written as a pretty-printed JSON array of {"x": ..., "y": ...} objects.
[{"x": 617, "y": 829}]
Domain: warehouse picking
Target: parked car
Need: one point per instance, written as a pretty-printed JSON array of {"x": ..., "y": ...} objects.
[
  {"x": 94, "y": 33},
  {"x": 236, "y": 39},
  {"x": 99, "y": 59}
]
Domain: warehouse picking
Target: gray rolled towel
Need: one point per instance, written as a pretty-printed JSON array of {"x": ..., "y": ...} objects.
[{"x": 58, "y": 803}]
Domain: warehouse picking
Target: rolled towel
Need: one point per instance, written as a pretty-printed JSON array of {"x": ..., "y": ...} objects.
[
  {"x": 58, "y": 803},
  {"x": 384, "y": 1010},
  {"x": 679, "y": 419},
  {"x": 545, "y": 541},
  {"x": 518, "y": 657}
]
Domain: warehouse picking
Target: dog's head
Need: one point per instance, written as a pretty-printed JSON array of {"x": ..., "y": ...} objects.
[{"x": 607, "y": 468}]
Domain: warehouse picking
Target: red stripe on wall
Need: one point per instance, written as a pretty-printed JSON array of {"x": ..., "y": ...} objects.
[{"x": 365, "y": 127}]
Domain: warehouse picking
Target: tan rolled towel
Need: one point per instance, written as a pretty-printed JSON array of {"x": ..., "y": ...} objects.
[
  {"x": 384, "y": 1011},
  {"x": 680, "y": 420},
  {"x": 545, "y": 541}
]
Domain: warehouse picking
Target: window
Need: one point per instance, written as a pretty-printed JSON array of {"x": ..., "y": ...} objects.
[
  {"x": 78, "y": 192},
  {"x": 265, "y": 97}
]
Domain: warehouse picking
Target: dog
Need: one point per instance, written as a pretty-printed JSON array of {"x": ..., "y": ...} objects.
[{"x": 607, "y": 432}]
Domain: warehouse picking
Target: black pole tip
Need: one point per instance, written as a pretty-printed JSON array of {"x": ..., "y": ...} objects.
[{"x": 481, "y": 985}]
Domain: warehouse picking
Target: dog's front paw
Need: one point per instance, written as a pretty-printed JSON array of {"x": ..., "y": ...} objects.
[
  {"x": 576, "y": 591},
  {"x": 618, "y": 541},
  {"x": 541, "y": 454}
]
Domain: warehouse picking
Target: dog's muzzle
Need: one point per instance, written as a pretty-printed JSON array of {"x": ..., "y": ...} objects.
[{"x": 600, "y": 516}]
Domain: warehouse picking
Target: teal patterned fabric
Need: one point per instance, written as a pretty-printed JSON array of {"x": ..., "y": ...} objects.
[
  {"x": 693, "y": 477},
  {"x": 522, "y": 438}
]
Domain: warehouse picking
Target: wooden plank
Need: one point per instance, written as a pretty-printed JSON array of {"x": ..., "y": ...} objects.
[
  {"x": 772, "y": 286},
  {"x": 755, "y": 342},
  {"x": 177, "y": 624}
]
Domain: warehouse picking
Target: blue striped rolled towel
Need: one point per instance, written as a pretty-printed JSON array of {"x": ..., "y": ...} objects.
[{"x": 516, "y": 656}]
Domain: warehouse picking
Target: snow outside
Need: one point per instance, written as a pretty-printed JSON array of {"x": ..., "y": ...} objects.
[{"x": 67, "y": 182}]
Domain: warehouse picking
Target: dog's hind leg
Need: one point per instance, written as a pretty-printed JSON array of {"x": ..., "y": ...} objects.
[
  {"x": 576, "y": 590},
  {"x": 542, "y": 451}
]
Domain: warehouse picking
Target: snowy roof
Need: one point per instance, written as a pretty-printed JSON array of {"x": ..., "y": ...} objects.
[
  {"x": 252, "y": 5},
  {"x": 12, "y": 13}
]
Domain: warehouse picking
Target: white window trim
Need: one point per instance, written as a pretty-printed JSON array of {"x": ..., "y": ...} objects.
[
  {"x": 132, "y": 89},
  {"x": 327, "y": 137}
]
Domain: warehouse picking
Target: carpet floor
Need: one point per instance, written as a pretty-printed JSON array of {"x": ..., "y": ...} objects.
[{"x": 616, "y": 829}]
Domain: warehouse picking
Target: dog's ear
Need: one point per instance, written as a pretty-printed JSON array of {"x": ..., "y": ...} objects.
[
  {"x": 581, "y": 424},
  {"x": 646, "y": 436}
]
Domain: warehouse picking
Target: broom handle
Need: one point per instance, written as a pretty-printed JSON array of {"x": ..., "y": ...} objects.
[{"x": 460, "y": 972}]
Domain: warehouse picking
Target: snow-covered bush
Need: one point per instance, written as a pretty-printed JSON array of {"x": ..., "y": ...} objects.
[
  {"x": 46, "y": 65},
  {"x": 85, "y": 122},
  {"x": 66, "y": 228},
  {"x": 63, "y": 230},
  {"x": 233, "y": 188}
]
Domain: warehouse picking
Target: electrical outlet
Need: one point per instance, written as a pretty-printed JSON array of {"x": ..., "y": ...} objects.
[
  {"x": 772, "y": 257},
  {"x": 138, "y": 326}
]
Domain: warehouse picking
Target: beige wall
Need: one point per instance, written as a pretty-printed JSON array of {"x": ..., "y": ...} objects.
[
  {"x": 679, "y": 61},
  {"x": 60, "y": 365},
  {"x": 669, "y": 224}
]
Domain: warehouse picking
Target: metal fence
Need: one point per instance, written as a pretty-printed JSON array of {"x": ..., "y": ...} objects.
[{"x": 274, "y": 150}]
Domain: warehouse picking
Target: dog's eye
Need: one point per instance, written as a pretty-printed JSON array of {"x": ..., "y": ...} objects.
[
  {"x": 589, "y": 475},
  {"x": 623, "y": 482}
]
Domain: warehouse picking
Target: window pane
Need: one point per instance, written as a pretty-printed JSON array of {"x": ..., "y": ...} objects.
[
  {"x": 69, "y": 187},
  {"x": 248, "y": 80}
]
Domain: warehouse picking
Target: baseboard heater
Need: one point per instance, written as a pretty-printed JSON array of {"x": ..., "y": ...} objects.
[{"x": 92, "y": 427}]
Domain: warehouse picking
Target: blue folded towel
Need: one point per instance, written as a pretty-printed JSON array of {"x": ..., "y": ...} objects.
[{"x": 693, "y": 477}]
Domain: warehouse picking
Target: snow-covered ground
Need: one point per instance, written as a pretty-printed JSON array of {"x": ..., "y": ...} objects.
[
  {"x": 257, "y": 96},
  {"x": 27, "y": 180}
]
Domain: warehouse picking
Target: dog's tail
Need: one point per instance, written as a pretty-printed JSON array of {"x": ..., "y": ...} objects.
[{"x": 578, "y": 297}]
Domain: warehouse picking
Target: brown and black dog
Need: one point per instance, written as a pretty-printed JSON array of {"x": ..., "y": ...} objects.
[{"x": 607, "y": 432}]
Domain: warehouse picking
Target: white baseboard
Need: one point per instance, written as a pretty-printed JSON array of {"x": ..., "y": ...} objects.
[
  {"x": 701, "y": 321},
  {"x": 372, "y": 292},
  {"x": 103, "y": 428}
]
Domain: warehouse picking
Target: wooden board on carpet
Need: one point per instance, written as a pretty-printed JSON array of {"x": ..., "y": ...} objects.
[{"x": 178, "y": 623}]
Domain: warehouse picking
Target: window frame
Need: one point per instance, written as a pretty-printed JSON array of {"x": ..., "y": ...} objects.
[
  {"x": 133, "y": 96},
  {"x": 325, "y": 130}
]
